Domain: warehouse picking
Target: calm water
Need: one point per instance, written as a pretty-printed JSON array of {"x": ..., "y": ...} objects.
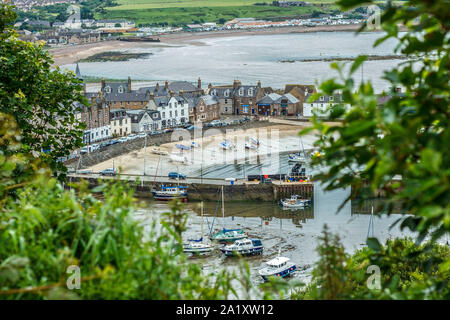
[{"x": 252, "y": 58}]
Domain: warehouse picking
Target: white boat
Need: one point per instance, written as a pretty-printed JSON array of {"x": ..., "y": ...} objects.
[
  {"x": 169, "y": 193},
  {"x": 198, "y": 246},
  {"x": 250, "y": 146},
  {"x": 254, "y": 141},
  {"x": 159, "y": 151},
  {"x": 295, "y": 202},
  {"x": 195, "y": 145},
  {"x": 297, "y": 157},
  {"x": 178, "y": 158},
  {"x": 277, "y": 267},
  {"x": 243, "y": 247}
]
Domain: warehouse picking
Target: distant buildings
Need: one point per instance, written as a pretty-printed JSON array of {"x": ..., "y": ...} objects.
[{"x": 323, "y": 105}]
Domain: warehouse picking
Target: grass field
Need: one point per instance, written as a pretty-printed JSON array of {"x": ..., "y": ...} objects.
[
  {"x": 151, "y": 4},
  {"x": 182, "y": 12}
]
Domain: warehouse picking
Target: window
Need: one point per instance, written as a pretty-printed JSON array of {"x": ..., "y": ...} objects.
[
  {"x": 331, "y": 98},
  {"x": 120, "y": 90},
  {"x": 226, "y": 101},
  {"x": 182, "y": 112},
  {"x": 163, "y": 114},
  {"x": 170, "y": 114},
  {"x": 241, "y": 92},
  {"x": 108, "y": 89},
  {"x": 176, "y": 113},
  {"x": 321, "y": 98},
  {"x": 203, "y": 116},
  {"x": 120, "y": 122},
  {"x": 250, "y": 92}
]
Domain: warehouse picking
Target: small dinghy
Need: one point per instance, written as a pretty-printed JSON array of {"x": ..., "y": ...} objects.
[
  {"x": 226, "y": 145},
  {"x": 243, "y": 247},
  {"x": 295, "y": 202},
  {"x": 250, "y": 146},
  {"x": 277, "y": 267},
  {"x": 254, "y": 141},
  {"x": 159, "y": 151},
  {"x": 297, "y": 157},
  {"x": 182, "y": 147}
]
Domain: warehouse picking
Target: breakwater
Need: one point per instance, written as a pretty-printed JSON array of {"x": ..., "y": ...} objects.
[{"x": 208, "y": 189}]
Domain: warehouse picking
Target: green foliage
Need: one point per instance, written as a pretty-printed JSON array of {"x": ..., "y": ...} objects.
[
  {"x": 407, "y": 137},
  {"x": 40, "y": 98},
  {"x": 407, "y": 271}
]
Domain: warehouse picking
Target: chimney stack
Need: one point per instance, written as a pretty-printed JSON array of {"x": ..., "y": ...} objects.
[
  {"x": 166, "y": 85},
  {"x": 129, "y": 84},
  {"x": 209, "y": 86},
  {"x": 181, "y": 92},
  {"x": 171, "y": 93},
  {"x": 103, "y": 83},
  {"x": 259, "y": 84},
  {"x": 236, "y": 84},
  {"x": 157, "y": 86},
  {"x": 152, "y": 96},
  {"x": 199, "y": 83}
]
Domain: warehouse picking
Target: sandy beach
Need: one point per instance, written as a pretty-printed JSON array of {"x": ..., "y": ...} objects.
[
  {"x": 71, "y": 54},
  {"x": 273, "y": 140}
]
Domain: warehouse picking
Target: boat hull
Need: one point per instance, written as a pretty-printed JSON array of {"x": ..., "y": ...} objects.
[
  {"x": 167, "y": 197},
  {"x": 244, "y": 252},
  {"x": 283, "y": 273}
]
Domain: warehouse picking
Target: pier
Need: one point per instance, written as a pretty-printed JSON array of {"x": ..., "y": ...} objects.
[{"x": 207, "y": 189}]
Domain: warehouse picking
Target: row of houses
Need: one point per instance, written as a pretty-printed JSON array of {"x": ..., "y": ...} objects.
[{"x": 118, "y": 109}]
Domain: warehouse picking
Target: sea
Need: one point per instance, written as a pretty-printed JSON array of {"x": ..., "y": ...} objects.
[{"x": 275, "y": 60}]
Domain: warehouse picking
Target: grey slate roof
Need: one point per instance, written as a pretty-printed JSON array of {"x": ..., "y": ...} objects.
[
  {"x": 115, "y": 86},
  {"x": 137, "y": 115},
  {"x": 126, "y": 96}
]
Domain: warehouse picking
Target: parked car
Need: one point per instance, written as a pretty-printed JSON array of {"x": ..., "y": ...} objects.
[
  {"x": 207, "y": 125},
  {"x": 187, "y": 125},
  {"x": 114, "y": 141},
  {"x": 84, "y": 150},
  {"x": 168, "y": 130},
  {"x": 216, "y": 123},
  {"x": 192, "y": 128},
  {"x": 104, "y": 144},
  {"x": 176, "y": 175},
  {"x": 108, "y": 172},
  {"x": 152, "y": 133},
  {"x": 95, "y": 147},
  {"x": 123, "y": 139},
  {"x": 132, "y": 137},
  {"x": 235, "y": 121},
  {"x": 142, "y": 135}
]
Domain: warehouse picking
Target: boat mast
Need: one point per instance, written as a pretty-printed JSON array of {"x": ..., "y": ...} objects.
[
  {"x": 223, "y": 209},
  {"x": 201, "y": 235}
]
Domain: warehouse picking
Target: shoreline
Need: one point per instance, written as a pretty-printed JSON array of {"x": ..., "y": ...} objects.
[{"x": 71, "y": 54}]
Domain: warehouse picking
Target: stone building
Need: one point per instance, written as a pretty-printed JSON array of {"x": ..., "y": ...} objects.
[
  {"x": 120, "y": 122},
  {"x": 96, "y": 118}
]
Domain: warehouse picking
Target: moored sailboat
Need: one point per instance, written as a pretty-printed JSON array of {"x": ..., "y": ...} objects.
[
  {"x": 198, "y": 246},
  {"x": 227, "y": 235}
]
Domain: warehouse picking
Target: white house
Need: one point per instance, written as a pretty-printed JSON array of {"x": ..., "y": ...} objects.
[
  {"x": 144, "y": 120},
  {"x": 322, "y": 105},
  {"x": 174, "y": 110}
]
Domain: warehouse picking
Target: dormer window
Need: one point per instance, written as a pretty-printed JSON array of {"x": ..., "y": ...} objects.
[
  {"x": 250, "y": 92},
  {"x": 241, "y": 92},
  {"x": 321, "y": 98},
  {"x": 331, "y": 98},
  {"x": 108, "y": 89},
  {"x": 227, "y": 93},
  {"x": 120, "y": 90}
]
